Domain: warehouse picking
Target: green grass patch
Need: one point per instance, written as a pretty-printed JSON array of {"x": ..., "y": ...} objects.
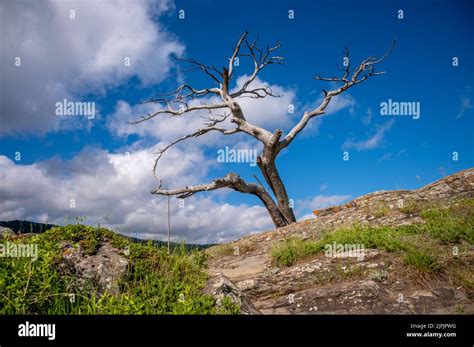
[
  {"x": 291, "y": 250},
  {"x": 422, "y": 260},
  {"x": 453, "y": 224},
  {"x": 420, "y": 242},
  {"x": 156, "y": 282}
]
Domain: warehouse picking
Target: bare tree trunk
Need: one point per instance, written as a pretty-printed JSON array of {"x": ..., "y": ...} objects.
[
  {"x": 273, "y": 209},
  {"x": 272, "y": 177}
]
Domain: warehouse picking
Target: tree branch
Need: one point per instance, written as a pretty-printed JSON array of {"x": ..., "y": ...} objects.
[
  {"x": 261, "y": 59},
  {"x": 235, "y": 54},
  {"x": 184, "y": 93},
  {"x": 205, "y": 68},
  {"x": 231, "y": 180},
  {"x": 211, "y": 126},
  {"x": 235, "y": 182},
  {"x": 365, "y": 70},
  {"x": 185, "y": 109}
]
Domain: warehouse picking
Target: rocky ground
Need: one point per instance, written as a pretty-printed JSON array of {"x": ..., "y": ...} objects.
[
  {"x": 246, "y": 272},
  {"x": 380, "y": 283}
]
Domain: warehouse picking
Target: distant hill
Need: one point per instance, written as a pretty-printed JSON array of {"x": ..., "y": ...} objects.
[
  {"x": 159, "y": 243},
  {"x": 24, "y": 227}
]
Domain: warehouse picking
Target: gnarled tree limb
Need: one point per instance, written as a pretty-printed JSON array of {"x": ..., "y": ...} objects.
[{"x": 235, "y": 182}]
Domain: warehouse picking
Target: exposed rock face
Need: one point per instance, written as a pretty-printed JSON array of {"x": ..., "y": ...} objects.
[
  {"x": 379, "y": 283},
  {"x": 94, "y": 273},
  {"x": 220, "y": 287},
  {"x": 399, "y": 206}
]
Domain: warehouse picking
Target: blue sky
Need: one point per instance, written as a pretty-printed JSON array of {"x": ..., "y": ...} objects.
[{"x": 80, "y": 158}]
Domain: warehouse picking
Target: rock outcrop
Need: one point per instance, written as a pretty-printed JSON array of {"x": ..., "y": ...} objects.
[
  {"x": 220, "y": 287},
  {"x": 321, "y": 285},
  {"x": 399, "y": 206},
  {"x": 95, "y": 273}
]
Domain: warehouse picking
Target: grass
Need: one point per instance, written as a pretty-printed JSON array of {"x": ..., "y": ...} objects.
[
  {"x": 291, "y": 250},
  {"x": 156, "y": 282},
  {"x": 422, "y": 260},
  {"x": 453, "y": 224},
  {"x": 465, "y": 276},
  {"x": 222, "y": 250},
  {"x": 411, "y": 207},
  {"x": 420, "y": 242},
  {"x": 382, "y": 211}
]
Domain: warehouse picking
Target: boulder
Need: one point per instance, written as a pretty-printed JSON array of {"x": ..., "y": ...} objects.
[{"x": 99, "y": 272}]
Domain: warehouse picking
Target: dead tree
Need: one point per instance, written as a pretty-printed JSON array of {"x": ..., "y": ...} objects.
[{"x": 178, "y": 104}]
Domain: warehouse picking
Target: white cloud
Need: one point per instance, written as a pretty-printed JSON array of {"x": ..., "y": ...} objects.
[
  {"x": 372, "y": 142},
  {"x": 114, "y": 189},
  {"x": 163, "y": 127},
  {"x": 66, "y": 58},
  {"x": 206, "y": 220}
]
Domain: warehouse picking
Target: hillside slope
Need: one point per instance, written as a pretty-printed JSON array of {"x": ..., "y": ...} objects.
[
  {"x": 402, "y": 252},
  {"x": 418, "y": 257}
]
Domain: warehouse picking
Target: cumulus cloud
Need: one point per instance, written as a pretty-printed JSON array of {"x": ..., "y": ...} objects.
[
  {"x": 372, "y": 142},
  {"x": 69, "y": 58},
  {"x": 114, "y": 189},
  {"x": 340, "y": 102}
]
